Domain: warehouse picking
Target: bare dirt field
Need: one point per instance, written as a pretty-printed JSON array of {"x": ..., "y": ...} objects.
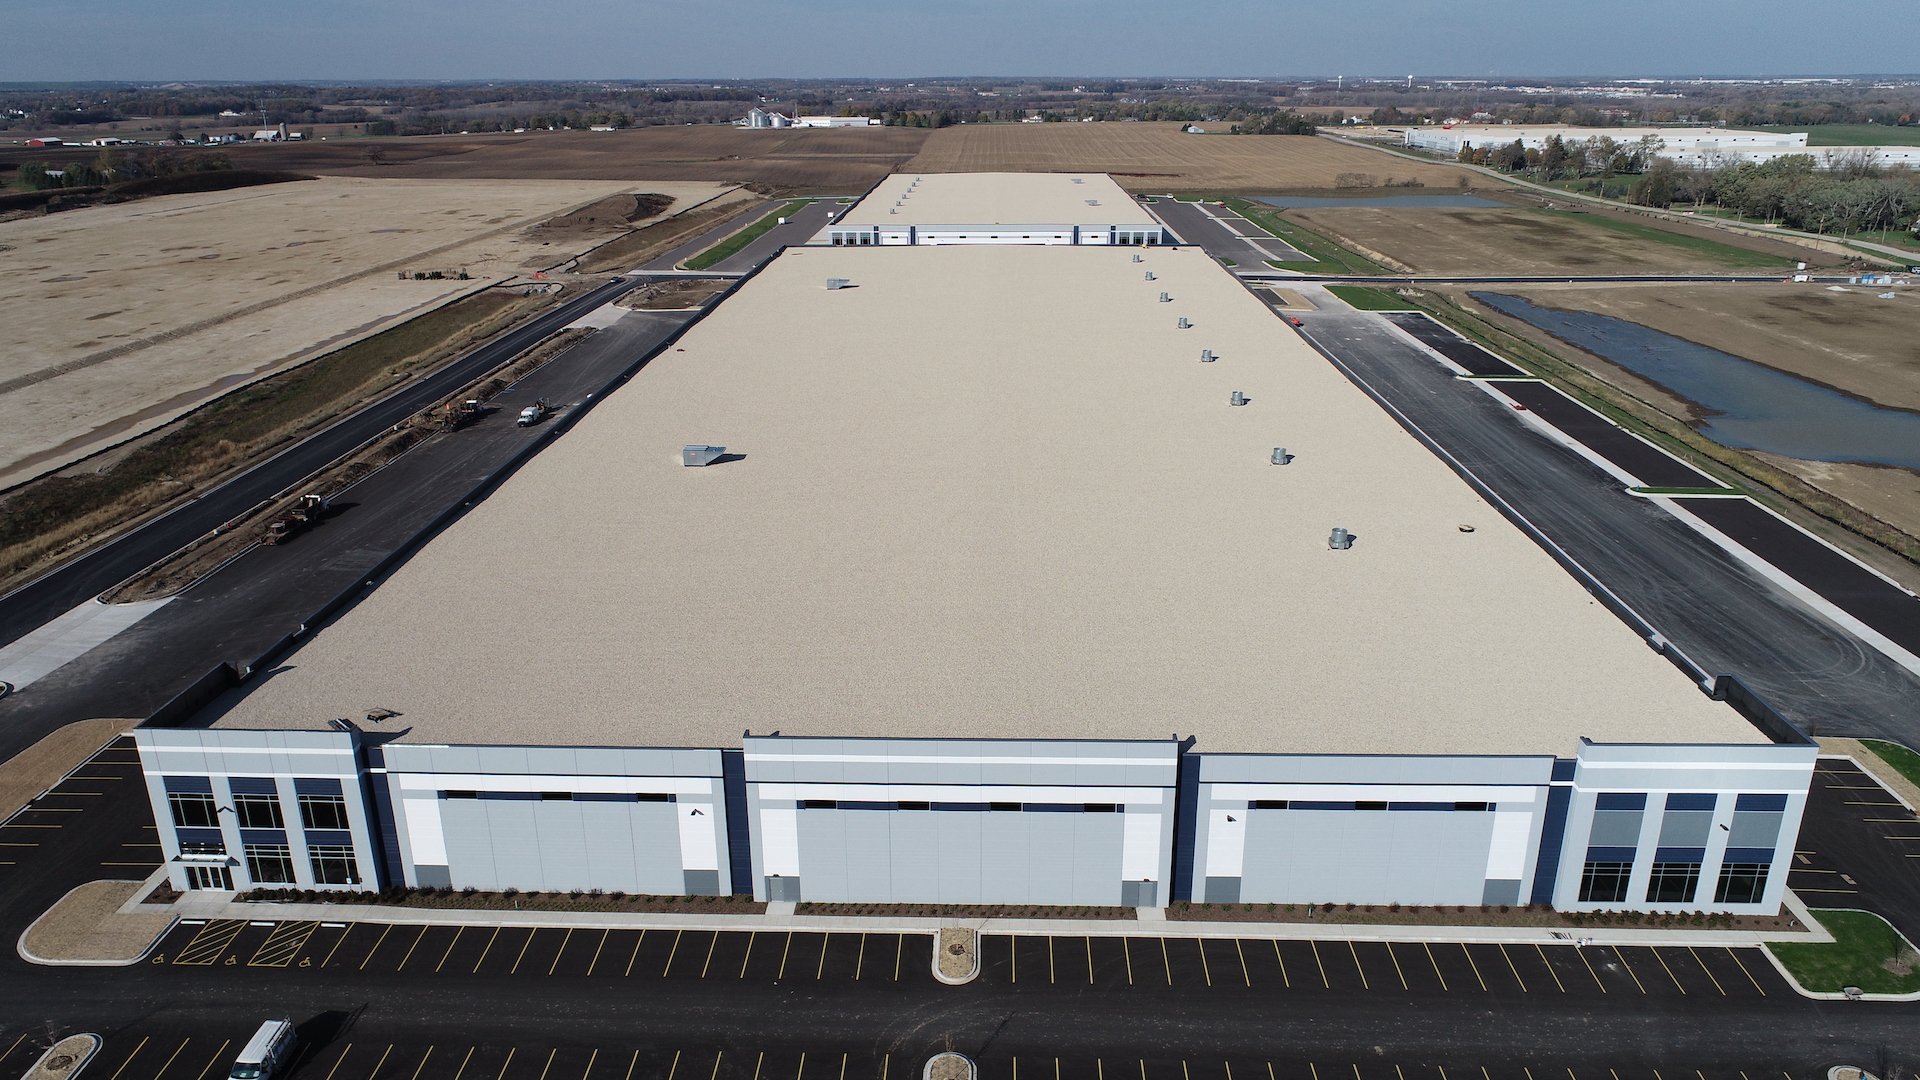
[
  {"x": 823, "y": 161},
  {"x": 1160, "y": 157},
  {"x": 123, "y": 317},
  {"x": 1849, "y": 340},
  {"x": 1533, "y": 241}
]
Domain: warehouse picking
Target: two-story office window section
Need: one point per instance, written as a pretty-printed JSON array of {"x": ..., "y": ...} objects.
[
  {"x": 323, "y": 811},
  {"x": 259, "y": 811},
  {"x": 193, "y": 809},
  {"x": 1604, "y": 882},
  {"x": 1673, "y": 883},
  {"x": 270, "y": 864},
  {"x": 334, "y": 865},
  {"x": 1741, "y": 883}
]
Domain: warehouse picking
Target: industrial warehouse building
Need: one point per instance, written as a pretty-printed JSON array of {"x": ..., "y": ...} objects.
[
  {"x": 995, "y": 597},
  {"x": 1692, "y": 147},
  {"x": 996, "y": 209}
]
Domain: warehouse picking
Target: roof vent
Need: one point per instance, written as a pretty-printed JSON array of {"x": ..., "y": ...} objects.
[
  {"x": 1207, "y": 357},
  {"x": 1137, "y": 258},
  {"x": 1340, "y": 540},
  {"x": 1149, "y": 276},
  {"x": 1280, "y": 455},
  {"x": 1079, "y": 180},
  {"x": 1093, "y": 202},
  {"x": 1184, "y": 324},
  {"x": 838, "y": 283},
  {"x": 1165, "y": 299},
  {"x": 695, "y": 454},
  {"x": 1238, "y": 398}
]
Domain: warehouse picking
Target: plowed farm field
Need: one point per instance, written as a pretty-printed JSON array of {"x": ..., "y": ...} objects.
[
  {"x": 824, "y": 161},
  {"x": 1161, "y": 157}
]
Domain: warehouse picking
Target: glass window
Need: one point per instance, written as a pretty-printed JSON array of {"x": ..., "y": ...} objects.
[
  {"x": 1605, "y": 882},
  {"x": 1741, "y": 883},
  {"x": 193, "y": 809},
  {"x": 1673, "y": 883},
  {"x": 202, "y": 847},
  {"x": 259, "y": 811},
  {"x": 323, "y": 811},
  {"x": 270, "y": 864},
  {"x": 334, "y": 865}
]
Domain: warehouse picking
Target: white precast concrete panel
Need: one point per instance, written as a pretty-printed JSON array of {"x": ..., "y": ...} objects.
[
  {"x": 780, "y": 841},
  {"x": 1508, "y": 853},
  {"x": 1226, "y": 842},
  {"x": 1140, "y": 847},
  {"x": 699, "y": 846},
  {"x": 426, "y": 841}
]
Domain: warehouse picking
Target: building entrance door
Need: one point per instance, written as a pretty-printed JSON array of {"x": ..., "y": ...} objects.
[{"x": 217, "y": 878}]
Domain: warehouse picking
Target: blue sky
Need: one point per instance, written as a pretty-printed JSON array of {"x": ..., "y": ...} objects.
[{"x": 527, "y": 39}]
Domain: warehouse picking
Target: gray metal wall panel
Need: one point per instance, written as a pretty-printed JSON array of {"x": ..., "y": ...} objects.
[
  {"x": 1685, "y": 828},
  {"x": 960, "y": 845},
  {"x": 563, "y": 845},
  {"x": 1367, "y": 769},
  {"x": 1755, "y": 829},
  {"x": 470, "y": 844},
  {"x": 554, "y": 760},
  {"x": 959, "y": 761},
  {"x": 1365, "y": 856},
  {"x": 914, "y": 858},
  {"x": 1615, "y": 828},
  {"x": 1097, "y": 846},
  {"x": 607, "y": 828}
]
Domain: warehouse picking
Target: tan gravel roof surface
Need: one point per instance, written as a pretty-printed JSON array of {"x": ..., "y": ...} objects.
[
  {"x": 990, "y": 492},
  {"x": 997, "y": 199}
]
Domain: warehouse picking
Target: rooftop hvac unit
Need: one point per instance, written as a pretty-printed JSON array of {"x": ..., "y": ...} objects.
[
  {"x": 1340, "y": 540},
  {"x": 1238, "y": 398},
  {"x": 1093, "y": 202},
  {"x": 1165, "y": 299},
  {"x": 1280, "y": 455},
  {"x": 1184, "y": 324},
  {"x": 1207, "y": 357},
  {"x": 838, "y": 283},
  {"x": 696, "y": 454},
  {"x": 1149, "y": 276}
]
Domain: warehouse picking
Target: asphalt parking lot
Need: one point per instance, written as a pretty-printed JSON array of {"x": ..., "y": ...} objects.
[
  {"x": 1859, "y": 847},
  {"x": 494, "y": 952},
  {"x": 1224, "y": 234},
  {"x": 172, "y": 1056},
  {"x": 95, "y": 823}
]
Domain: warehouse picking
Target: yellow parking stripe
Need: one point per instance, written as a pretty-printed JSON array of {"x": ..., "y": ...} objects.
[
  {"x": 416, "y": 944},
  {"x": 1166, "y": 963},
  {"x": 753, "y": 934},
  {"x": 341, "y": 940},
  {"x": 1285, "y": 983},
  {"x": 1401, "y": 975},
  {"x": 522, "y": 955},
  {"x": 899, "y": 950},
  {"x": 1089, "y": 940},
  {"x": 504, "y": 1064},
  {"x": 445, "y": 955},
  {"x": 544, "y": 1068},
  {"x": 485, "y": 949},
  {"x": 384, "y": 931},
  {"x": 170, "y": 1059},
  {"x": 1512, "y": 968},
  {"x": 1596, "y": 975},
  {"x": 130, "y": 1057},
  {"x": 1321, "y": 964},
  {"x": 283, "y": 944},
  {"x": 211, "y": 940},
  {"x": 1621, "y": 955},
  {"x": 1669, "y": 971},
  {"x": 457, "y": 1073},
  {"x": 1550, "y": 971},
  {"x": 637, "y": 942},
  {"x": 1364, "y": 984},
  {"x": 1435, "y": 961},
  {"x": 820, "y": 969},
  {"x": 595, "y": 962},
  {"x": 716, "y": 1064},
  {"x": 1245, "y": 975},
  {"x": 418, "y": 1069},
  {"x": 1126, "y": 952},
  {"x": 1703, "y": 967},
  {"x": 384, "y": 1054},
  {"x": 1743, "y": 970},
  {"x": 555, "y": 966},
  {"x": 214, "y": 1060},
  {"x": 672, "y": 952},
  {"x": 338, "y": 1060},
  {"x": 1205, "y": 968}
]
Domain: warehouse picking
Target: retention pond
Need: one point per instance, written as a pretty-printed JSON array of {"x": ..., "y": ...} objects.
[{"x": 1744, "y": 404}]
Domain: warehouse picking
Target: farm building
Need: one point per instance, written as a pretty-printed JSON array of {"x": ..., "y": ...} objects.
[{"x": 998, "y": 596}]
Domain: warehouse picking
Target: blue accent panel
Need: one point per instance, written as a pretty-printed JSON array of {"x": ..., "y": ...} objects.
[
  {"x": 316, "y": 785},
  {"x": 512, "y": 796},
  {"x": 964, "y": 807},
  {"x": 1052, "y": 808},
  {"x": 733, "y": 784},
  {"x": 386, "y": 829},
  {"x": 1304, "y": 804},
  {"x": 1186, "y": 822},
  {"x": 1686, "y": 801},
  {"x": 603, "y": 796},
  {"x": 1680, "y": 854},
  {"x": 1760, "y": 802},
  {"x": 1610, "y": 854},
  {"x": 1563, "y": 770},
  {"x": 200, "y": 836},
  {"x": 252, "y": 785},
  {"x": 263, "y": 836},
  {"x": 1446, "y": 806},
  {"x": 867, "y": 805},
  {"x": 1553, "y": 834},
  {"x": 1761, "y": 855},
  {"x": 1620, "y": 800},
  {"x": 187, "y": 784},
  {"x": 337, "y": 837}
]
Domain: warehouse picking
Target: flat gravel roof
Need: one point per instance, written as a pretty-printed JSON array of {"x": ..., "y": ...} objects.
[
  {"x": 997, "y": 199},
  {"x": 990, "y": 492}
]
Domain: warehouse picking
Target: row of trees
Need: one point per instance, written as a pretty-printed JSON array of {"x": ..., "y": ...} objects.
[
  {"x": 1856, "y": 197},
  {"x": 112, "y": 166},
  {"x": 1566, "y": 159}
]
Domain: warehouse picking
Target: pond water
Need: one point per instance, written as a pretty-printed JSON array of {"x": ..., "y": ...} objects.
[
  {"x": 1400, "y": 202},
  {"x": 1748, "y": 405}
]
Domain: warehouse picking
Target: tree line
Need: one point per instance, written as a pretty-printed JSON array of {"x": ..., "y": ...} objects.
[
  {"x": 112, "y": 166},
  {"x": 1856, "y": 195}
]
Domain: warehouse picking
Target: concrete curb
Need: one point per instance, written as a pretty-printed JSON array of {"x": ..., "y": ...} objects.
[
  {"x": 956, "y": 980},
  {"x": 20, "y": 946},
  {"x": 1828, "y": 995},
  {"x": 94, "y": 1043}
]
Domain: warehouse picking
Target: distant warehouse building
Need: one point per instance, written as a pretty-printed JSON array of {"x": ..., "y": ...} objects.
[
  {"x": 1003, "y": 209},
  {"x": 995, "y": 597},
  {"x": 1693, "y": 147}
]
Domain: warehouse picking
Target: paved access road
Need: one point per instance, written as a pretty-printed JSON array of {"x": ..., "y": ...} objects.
[
  {"x": 269, "y": 592},
  {"x": 800, "y": 228},
  {"x": 61, "y": 590},
  {"x": 1722, "y": 614},
  {"x": 1224, "y": 234}
]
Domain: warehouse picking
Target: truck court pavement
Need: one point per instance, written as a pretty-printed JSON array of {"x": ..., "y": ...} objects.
[{"x": 1859, "y": 847}]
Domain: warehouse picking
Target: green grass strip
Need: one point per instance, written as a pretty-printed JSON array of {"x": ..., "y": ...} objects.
[
  {"x": 1866, "y": 952},
  {"x": 1725, "y": 254},
  {"x": 732, "y": 245},
  {"x": 1368, "y": 298},
  {"x": 1904, "y": 761},
  {"x": 1327, "y": 256}
]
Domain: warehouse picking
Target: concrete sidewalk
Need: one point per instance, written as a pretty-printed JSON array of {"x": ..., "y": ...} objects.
[{"x": 1151, "y": 922}]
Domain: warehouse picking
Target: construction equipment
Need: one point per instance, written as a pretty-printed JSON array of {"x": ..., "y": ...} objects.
[
  {"x": 301, "y": 516},
  {"x": 458, "y": 414},
  {"x": 534, "y": 413}
]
